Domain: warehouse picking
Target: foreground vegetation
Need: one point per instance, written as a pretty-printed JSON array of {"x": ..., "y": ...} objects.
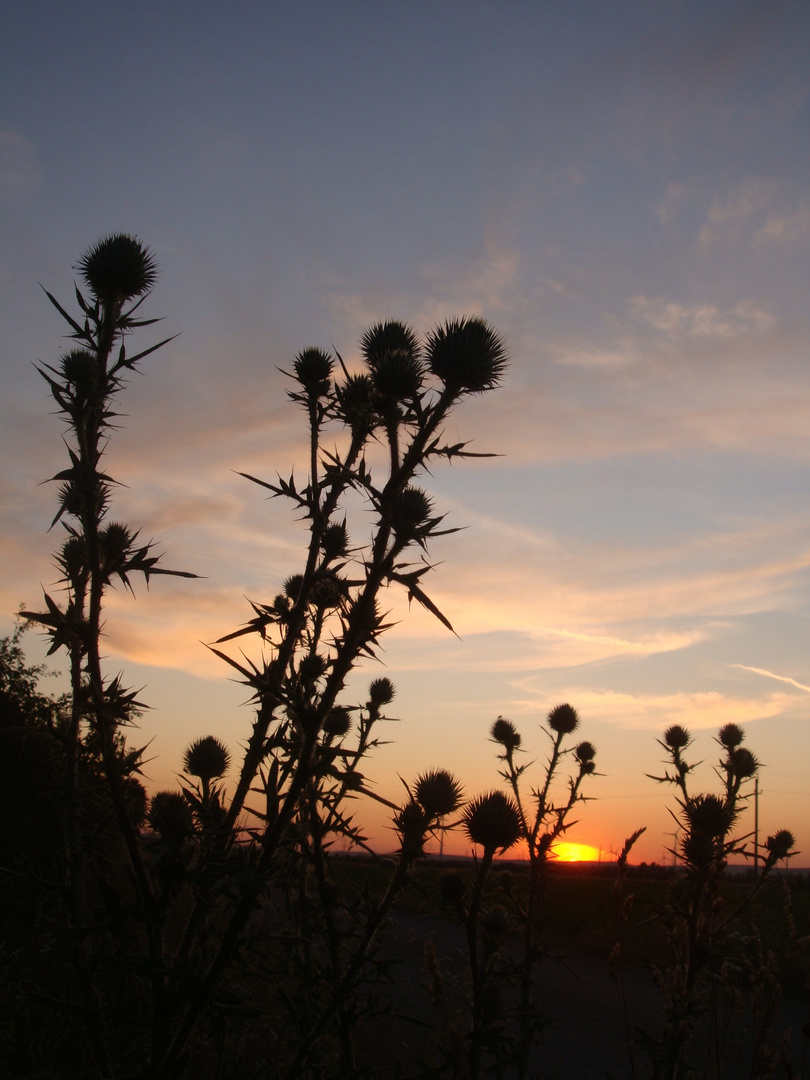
[{"x": 210, "y": 931}]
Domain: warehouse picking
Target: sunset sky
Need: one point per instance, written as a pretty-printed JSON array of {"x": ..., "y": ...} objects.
[{"x": 621, "y": 189}]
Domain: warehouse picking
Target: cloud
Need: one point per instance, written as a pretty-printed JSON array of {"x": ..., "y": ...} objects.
[
  {"x": 755, "y": 211},
  {"x": 709, "y": 709},
  {"x": 701, "y": 320},
  {"x": 20, "y": 174}
]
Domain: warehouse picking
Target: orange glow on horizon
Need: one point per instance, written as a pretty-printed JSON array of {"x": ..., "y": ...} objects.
[{"x": 567, "y": 852}]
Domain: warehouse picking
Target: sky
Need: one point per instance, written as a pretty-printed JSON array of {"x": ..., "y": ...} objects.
[{"x": 620, "y": 189}]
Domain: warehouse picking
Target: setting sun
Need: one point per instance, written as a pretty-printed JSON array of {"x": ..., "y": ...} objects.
[{"x": 566, "y": 852}]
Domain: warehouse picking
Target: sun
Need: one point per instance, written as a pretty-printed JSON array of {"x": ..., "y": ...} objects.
[{"x": 567, "y": 852}]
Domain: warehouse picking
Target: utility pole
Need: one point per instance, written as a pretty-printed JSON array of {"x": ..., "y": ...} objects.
[{"x": 756, "y": 824}]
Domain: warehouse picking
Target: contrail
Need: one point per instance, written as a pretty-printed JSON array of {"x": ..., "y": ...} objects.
[{"x": 771, "y": 675}]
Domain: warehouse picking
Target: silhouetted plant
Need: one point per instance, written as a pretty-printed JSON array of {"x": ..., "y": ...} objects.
[
  {"x": 202, "y": 881},
  {"x": 702, "y": 937},
  {"x": 541, "y": 823},
  {"x": 506, "y": 1018}
]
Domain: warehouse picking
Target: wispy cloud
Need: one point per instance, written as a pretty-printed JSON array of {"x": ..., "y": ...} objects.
[
  {"x": 758, "y": 211},
  {"x": 701, "y": 320}
]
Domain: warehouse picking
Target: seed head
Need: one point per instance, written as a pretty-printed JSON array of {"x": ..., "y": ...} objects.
[{"x": 563, "y": 719}]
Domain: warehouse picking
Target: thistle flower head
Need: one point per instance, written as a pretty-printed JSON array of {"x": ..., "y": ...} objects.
[
  {"x": 677, "y": 737},
  {"x": 292, "y": 586},
  {"x": 312, "y": 667},
  {"x": 338, "y": 722},
  {"x": 495, "y": 922},
  {"x": 505, "y": 733},
  {"x": 313, "y": 370},
  {"x": 438, "y": 793},
  {"x": 411, "y": 511},
  {"x": 743, "y": 763},
  {"x": 563, "y": 719},
  {"x": 170, "y": 816},
  {"x": 206, "y": 758},
  {"x": 780, "y": 844},
  {"x": 118, "y": 268},
  {"x": 698, "y": 850},
  {"x": 356, "y": 401},
  {"x": 388, "y": 337},
  {"x": 335, "y": 540},
  {"x": 708, "y": 814},
  {"x": 81, "y": 369},
  {"x": 381, "y": 692},
  {"x": 412, "y": 824},
  {"x": 730, "y": 736},
  {"x": 492, "y": 821},
  {"x": 585, "y": 752},
  {"x": 467, "y": 355}
]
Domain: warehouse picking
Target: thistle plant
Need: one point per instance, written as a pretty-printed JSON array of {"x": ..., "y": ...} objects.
[
  {"x": 304, "y": 754},
  {"x": 542, "y": 821},
  {"x": 117, "y": 274},
  {"x": 175, "y": 909},
  {"x": 698, "y": 924}
]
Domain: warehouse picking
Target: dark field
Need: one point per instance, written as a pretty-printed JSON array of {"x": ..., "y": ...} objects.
[{"x": 597, "y": 1002}]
